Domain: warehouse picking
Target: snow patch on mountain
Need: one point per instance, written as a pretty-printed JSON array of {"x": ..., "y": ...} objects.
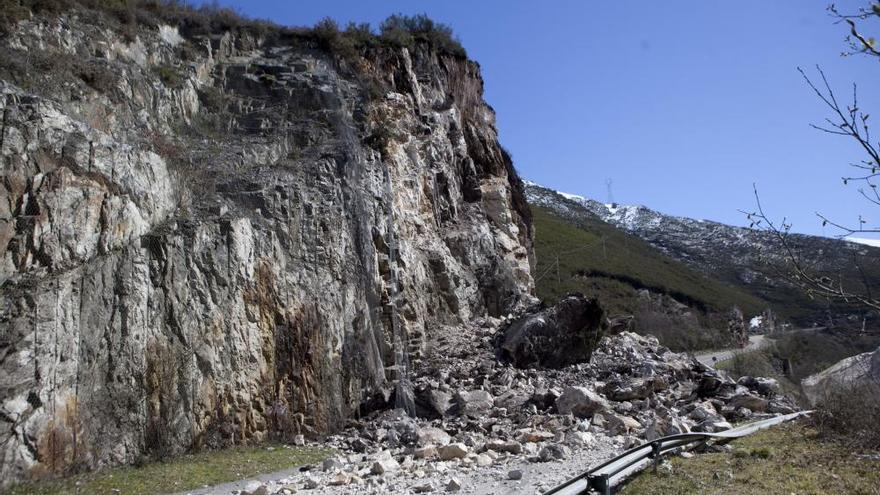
[
  {"x": 573, "y": 197},
  {"x": 728, "y": 252},
  {"x": 865, "y": 241}
]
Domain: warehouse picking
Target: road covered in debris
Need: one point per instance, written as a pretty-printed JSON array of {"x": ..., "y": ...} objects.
[{"x": 490, "y": 418}]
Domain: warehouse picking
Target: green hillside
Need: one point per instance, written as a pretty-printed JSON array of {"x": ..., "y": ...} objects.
[
  {"x": 590, "y": 256},
  {"x": 593, "y": 251}
]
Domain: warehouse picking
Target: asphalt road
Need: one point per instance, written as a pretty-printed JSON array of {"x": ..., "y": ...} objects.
[{"x": 712, "y": 358}]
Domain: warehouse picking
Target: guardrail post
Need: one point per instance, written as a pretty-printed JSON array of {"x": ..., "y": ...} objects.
[
  {"x": 655, "y": 454},
  {"x": 600, "y": 484}
]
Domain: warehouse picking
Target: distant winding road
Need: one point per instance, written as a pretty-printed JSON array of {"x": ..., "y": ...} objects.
[
  {"x": 756, "y": 342},
  {"x": 712, "y": 358}
]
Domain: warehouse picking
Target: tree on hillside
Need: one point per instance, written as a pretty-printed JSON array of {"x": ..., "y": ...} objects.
[{"x": 846, "y": 119}]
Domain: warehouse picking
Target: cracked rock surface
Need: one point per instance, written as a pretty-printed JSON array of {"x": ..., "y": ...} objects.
[{"x": 215, "y": 239}]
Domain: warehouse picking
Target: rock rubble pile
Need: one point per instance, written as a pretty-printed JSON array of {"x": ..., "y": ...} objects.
[{"x": 485, "y": 426}]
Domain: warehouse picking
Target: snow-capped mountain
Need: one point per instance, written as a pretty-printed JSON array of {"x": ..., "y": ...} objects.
[{"x": 737, "y": 255}]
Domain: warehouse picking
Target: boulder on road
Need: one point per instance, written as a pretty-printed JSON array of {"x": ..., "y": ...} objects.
[
  {"x": 384, "y": 465},
  {"x": 623, "y": 390},
  {"x": 453, "y": 485},
  {"x": 564, "y": 334},
  {"x": 431, "y": 403},
  {"x": 535, "y": 436},
  {"x": 430, "y": 435},
  {"x": 553, "y": 452},
  {"x": 510, "y": 446},
  {"x": 764, "y": 386},
  {"x": 578, "y": 438},
  {"x": 619, "y": 425}
]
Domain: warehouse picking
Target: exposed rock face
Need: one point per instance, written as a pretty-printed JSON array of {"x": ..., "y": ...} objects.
[
  {"x": 764, "y": 323},
  {"x": 559, "y": 336},
  {"x": 737, "y": 328},
  {"x": 240, "y": 254},
  {"x": 856, "y": 374}
]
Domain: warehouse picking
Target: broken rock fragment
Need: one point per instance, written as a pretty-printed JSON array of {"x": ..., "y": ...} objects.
[
  {"x": 511, "y": 447},
  {"x": 453, "y": 451},
  {"x": 473, "y": 403},
  {"x": 581, "y": 402},
  {"x": 453, "y": 485}
]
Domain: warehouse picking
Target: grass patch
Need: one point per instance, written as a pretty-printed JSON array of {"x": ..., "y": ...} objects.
[
  {"x": 170, "y": 76},
  {"x": 749, "y": 363},
  {"x": 791, "y": 458},
  {"x": 181, "y": 473}
]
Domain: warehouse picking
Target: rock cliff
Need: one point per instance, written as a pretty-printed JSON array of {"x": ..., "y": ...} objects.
[
  {"x": 228, "y": 237},
  {"x": 859, "y": 374}
]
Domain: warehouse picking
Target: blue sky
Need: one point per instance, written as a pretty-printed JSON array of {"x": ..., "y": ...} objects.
[{"x": 683, "y": 105}]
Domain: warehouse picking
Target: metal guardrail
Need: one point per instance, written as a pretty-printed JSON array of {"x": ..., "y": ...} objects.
[{"x": 603, "y": 477}]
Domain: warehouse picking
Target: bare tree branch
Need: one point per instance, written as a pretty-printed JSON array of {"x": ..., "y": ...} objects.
[
  {"x": 798, "y": 271},
  {"x": 857, "y": 42},
  {"x": 845, "y": 120},
  {"x": 846, "y": 231},
  {"x": 866, "y": 44}
]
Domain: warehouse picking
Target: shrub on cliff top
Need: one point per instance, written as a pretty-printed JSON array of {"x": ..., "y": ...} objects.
[
  {"x": 403, "y": 30},
  {"x": 398, "y": 30},
  {"x": 342, "y": 43}
]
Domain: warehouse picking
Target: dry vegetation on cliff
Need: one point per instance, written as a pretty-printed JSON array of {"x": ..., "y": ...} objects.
[{"x": 396, "y": 31}]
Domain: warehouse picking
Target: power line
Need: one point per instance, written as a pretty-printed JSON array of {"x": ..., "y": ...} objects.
[{"x": 555, "y": 265}]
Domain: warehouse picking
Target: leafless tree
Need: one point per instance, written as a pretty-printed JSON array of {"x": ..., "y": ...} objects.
[
  {"x": 849, "y": 120},
  {"x": 802, "y": 272}
]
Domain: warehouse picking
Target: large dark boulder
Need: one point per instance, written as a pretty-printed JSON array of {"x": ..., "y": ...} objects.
[{"x": 564, "y": 334}]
